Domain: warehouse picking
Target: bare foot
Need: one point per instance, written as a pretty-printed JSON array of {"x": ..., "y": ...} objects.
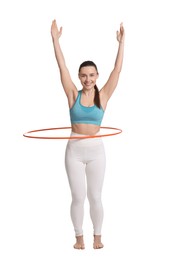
[
  {"x": 97, "y": 242},
  {"x": 79, "y": 243}
]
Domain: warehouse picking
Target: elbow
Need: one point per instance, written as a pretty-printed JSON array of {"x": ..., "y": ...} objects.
[
  {"x": 118, "y": 65},
  {"x": 118, "y": 69}
]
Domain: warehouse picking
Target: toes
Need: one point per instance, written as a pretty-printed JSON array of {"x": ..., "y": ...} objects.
[
  {"x": 79, "y": 246},
  {"x": 98, "y": 246}
]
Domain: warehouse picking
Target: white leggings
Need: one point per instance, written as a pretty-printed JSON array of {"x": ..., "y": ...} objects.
[{"x": 85, "y": 161}]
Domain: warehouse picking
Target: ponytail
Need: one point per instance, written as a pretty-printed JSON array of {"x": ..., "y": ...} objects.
[{"x": 97, "y": 97}]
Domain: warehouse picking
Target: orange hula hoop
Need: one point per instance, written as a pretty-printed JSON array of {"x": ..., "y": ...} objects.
[{"x": 70, "y": 137}]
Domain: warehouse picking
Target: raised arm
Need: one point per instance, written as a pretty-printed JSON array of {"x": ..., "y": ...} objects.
[
  {"x": 66, "y": 80},
  {"x": 112, "y": 82}
]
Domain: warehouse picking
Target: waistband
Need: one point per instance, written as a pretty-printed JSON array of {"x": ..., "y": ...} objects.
[{"x": 85, "y": 141}]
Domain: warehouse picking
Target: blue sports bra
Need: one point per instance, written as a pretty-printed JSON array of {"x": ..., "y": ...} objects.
[{"x": 80, "y": 114}]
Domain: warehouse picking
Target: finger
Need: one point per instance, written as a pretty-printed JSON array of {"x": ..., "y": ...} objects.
[
  {"x": 53, "y": 25},
  {"x": 54, "y": 21},
  {"x": 61, "y": 28},
  {"x": 121, "y": 27}
]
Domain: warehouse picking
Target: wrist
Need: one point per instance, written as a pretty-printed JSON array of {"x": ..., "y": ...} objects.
[
  {"x": 55, "y": 37},
  {"x": 121, "y": 42},
  {"x": 55, "y": 40}
]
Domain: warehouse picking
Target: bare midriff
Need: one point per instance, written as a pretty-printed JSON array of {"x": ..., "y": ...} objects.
[{"x": 85, "y": 129}]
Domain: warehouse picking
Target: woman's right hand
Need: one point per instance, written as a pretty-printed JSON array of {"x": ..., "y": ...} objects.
[{"x": 55, "y": 32}]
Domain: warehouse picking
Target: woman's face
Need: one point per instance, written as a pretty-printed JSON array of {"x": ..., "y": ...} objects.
[{"x": 88, "y": 76}]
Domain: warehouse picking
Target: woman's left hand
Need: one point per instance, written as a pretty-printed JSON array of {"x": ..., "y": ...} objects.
[{"x": 120, "y": 34}]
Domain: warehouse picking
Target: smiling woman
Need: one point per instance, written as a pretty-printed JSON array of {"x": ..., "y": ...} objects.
[
  {"x": 86, "y": 157},
  {"x": 88, "y": 75}
]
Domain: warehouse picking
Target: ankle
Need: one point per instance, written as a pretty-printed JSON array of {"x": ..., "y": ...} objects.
[
  {"x": 79, "y": 238},
  {"x": 97, "y": 236}
]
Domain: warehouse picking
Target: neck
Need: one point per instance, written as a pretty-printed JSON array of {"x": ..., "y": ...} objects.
[{"x": 88, "y": 92}]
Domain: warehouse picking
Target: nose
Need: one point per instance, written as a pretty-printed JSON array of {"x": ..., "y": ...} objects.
[{"x": 87, "y": 79}]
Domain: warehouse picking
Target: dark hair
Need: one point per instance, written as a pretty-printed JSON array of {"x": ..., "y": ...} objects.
[{"x": 97, "y": 97}]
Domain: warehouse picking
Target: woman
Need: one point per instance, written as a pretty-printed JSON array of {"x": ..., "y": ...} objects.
[{"x": 86, "y": 157}]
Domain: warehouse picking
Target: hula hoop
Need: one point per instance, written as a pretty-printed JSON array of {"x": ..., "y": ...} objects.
[{"x": 70, "y": 137}]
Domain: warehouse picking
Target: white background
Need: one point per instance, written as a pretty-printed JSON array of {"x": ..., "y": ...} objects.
[{"x": 34, "y": 192}]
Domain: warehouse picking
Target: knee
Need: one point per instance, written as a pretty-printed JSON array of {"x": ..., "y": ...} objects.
[
  {"x": 94, "y": 198},
  {"x": 78, "y": 198}
]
